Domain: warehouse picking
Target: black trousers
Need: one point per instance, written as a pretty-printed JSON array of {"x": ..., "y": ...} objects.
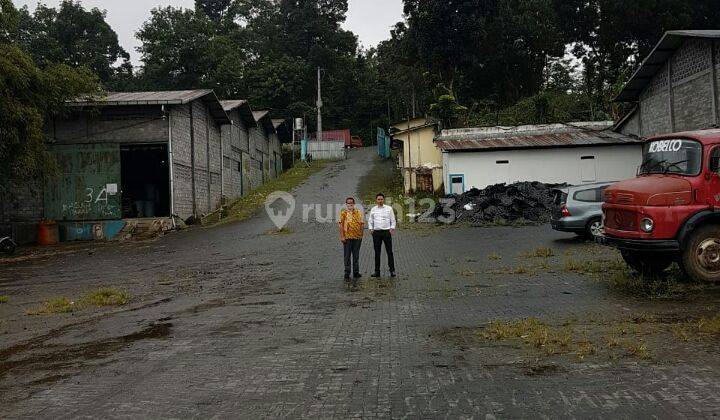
[
  {"x": 351, "y": 248},
  {"x": 381, "y": 237}
]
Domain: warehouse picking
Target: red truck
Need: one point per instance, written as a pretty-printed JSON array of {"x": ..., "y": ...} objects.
[{"x": 671, "y": 211}]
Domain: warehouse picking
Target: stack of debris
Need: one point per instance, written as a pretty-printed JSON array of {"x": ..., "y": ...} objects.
[{"x": 524, "y": 202}]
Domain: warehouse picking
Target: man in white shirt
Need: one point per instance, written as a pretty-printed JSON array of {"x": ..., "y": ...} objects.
[{"x": 382, "y": 224}]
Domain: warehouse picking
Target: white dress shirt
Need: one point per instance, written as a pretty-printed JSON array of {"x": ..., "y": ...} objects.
[{"x": 381, "y": 218}]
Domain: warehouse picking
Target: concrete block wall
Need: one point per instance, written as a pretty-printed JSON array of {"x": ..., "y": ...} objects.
[
  {"x": 215, "y": 170},
  {"x": 112, "y": 124},
  {"x": 206, "y": 175},
  {"x": 680, "y": 96},
  {"x": 235, "y": 141},
  {"x": 22, "y": 204},
  {"x": 258, "y": 156},
  {"x": 275, "y": 154}
]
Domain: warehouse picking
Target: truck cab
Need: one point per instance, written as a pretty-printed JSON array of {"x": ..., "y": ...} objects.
[{"x": 671, "y": 211}]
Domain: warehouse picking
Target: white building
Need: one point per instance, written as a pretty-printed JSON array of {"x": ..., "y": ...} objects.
[{"x": 573, "y": 153}]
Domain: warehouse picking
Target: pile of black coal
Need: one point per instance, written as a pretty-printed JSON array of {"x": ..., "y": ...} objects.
[{"x": 522, "y": 203}]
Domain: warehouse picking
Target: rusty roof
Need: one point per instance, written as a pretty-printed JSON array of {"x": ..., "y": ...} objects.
[
  {"x": 176, "y": 97},
  {"x": 532, "y": 137},
  {"x": 243, "y": 108}
]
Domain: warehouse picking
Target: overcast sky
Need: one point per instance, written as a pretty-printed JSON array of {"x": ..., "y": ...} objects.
[{"x": 370, "y": 20}]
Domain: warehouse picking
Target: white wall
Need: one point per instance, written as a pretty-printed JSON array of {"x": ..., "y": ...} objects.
[
  {"x": 553, "y": 166},
  {"x": 326, "y": 150}
]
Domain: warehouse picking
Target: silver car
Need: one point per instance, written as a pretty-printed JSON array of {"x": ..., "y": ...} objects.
[{"x": 579, "y": 209}]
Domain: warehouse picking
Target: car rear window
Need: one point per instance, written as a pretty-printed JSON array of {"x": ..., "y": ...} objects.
[
  {"x": 593, "y": 195},
  {"x": 560, "y": 198}
]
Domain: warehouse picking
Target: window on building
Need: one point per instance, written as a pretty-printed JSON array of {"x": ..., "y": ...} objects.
[
  {"x": 503, "y": 162},
  {"x": 587, "y": 158}
]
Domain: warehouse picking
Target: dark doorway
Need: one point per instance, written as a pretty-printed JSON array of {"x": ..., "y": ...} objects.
[{"x": 145, "y": 179}]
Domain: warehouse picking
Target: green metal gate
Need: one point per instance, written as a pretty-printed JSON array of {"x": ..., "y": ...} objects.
[{"x": 88, "y": 186}]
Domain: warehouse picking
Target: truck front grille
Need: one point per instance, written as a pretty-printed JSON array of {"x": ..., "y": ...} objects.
[{"x": 621, "y": 220}]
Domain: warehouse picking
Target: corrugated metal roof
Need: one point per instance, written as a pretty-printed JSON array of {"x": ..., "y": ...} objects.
[
  {"x": 258, "y": 115},
  {"x": 229, "y": 105},
  {"x": 532, "y": 137},
  {"x": 178, "y": 97},
  {"x": 670, "y": 42},
  {"x": 243, "y": 107},
  {"x": 263, "y": 118}
]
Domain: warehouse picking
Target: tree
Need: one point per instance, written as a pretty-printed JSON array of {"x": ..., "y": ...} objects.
[
  {"x": 74, "y": 36},
  {"x": 28, "y": 96},
  {"x": 175, "y": 49},
  {"x": 9, "y": 21},
  {"x": 214, "y": 9}
]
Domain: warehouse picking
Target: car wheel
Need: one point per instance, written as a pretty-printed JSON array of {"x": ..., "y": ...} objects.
[
  {"x": 593, "y": 228},
  {"x": 648, "y": 265},
  {"x": 701, "y": 255}
]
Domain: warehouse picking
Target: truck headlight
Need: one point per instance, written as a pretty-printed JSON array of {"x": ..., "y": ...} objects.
[{"x": 647, "y": 225}]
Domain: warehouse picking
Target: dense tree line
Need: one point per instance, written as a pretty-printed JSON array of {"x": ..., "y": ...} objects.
[
  {"x": 526, "y": 61},
  {"x": 468, "y": 62}
]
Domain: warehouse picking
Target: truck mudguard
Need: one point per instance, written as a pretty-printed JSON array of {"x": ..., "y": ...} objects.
[{"x": 696, "y": 220}]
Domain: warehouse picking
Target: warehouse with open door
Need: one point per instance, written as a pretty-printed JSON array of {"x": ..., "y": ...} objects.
[{"x": 145, "y": 179}]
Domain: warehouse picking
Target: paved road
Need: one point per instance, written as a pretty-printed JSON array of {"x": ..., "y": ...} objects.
[{"x": 235, "y": 322}]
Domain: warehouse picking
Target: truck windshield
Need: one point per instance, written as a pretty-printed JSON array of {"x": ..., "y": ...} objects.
[{"x": 678, "y": 156}]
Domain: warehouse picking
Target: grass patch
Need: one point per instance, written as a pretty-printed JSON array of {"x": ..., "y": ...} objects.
[
  {"x": 105, "y": 296},
  {"x": 4, "y": 299},
  {"x": 494, "y": 257},
  {"x": 642, "y": 337},
  {"x": 246, "y": 206},
  {"x": 56, "y": 305},
  {"x": 532, "y": 332},
  {"x": 703, "y": 329},
  {"x": 384, "y": 178},
  {"x": 283, "y": 231},
  {"x": 540, "y": 253}
]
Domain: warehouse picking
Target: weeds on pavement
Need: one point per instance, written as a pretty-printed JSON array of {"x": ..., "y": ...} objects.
[
  {"x": 104, "y": 296},
  {"x": 283, "y": 231},
  {"x": 57, "y": 305},
  {"x": 541, "y": 252},
  {"x": 4, "y": 299},
  {"x": 704, "y": 328}
]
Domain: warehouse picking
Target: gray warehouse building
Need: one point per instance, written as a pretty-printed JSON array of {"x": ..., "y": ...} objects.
[
  {"x": 676, "y": 87},
  {"x": 145, "y": 155}
]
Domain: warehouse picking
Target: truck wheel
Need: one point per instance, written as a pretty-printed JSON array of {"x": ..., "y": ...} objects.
[
  {"x": 593, "y": 228},
  {"x": 701, "y": 254},
  {"x": 648, "y": 265}
]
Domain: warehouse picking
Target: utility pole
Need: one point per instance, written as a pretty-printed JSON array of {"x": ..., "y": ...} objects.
[{"x": 319, "y": 107}]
